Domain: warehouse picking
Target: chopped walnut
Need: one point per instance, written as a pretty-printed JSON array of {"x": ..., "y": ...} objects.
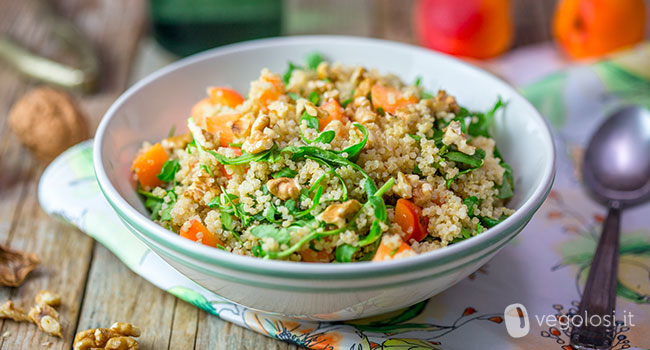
[
  {"x": 115, "y": 338},
  {"x": 454, "y": 135},
  {"x": 404, "y": 185},
  {"x": 45, "y": 297},
  {"x": 257, "y": 142},
  {"x": 47, "y": 319},
  {"x": 121, "y": 343},
  {"x": 15, "y": 266},
  {"x": 337, "y": 213},
  {"x": 202, "y": 184},
  {"x": 176, "y": 142},
  {"x": 284, "y": 188},
  {"x": 445, "y": 103},
  {"x": 10, "y": 311}
]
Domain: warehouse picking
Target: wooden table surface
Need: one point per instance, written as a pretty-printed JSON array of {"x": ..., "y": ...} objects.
[{"x": 96, "y": 288}]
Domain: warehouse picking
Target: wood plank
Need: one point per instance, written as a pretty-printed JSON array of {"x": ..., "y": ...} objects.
[
  {"x": 114, "y": 28},
  {"x": 116, "y": 294},
  {"x": 184, "y": 326}
]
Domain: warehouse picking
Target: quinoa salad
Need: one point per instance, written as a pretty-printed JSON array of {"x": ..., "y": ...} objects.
[{"x": 327, "y": 163}]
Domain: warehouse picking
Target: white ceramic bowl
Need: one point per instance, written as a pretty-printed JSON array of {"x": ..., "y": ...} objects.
[{"x": 147, "y": 110}]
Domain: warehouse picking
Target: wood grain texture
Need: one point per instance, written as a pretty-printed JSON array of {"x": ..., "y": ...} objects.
[{"x": 114, "y": 27}]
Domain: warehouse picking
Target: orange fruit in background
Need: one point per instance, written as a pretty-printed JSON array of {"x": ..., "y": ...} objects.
[
  {"x": 589, "y": 28},
  {"x": 470, "y": 28}
]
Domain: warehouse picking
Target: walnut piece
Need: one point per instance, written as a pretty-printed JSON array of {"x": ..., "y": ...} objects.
[
  {"x": 337, "y": 213},
  {"x": 47, "y": 319},
  {"x": 176, "y": 142},
  {"x": 15, "y": 266},
  {"x": 47, "y": 121},
  {"x": 284, "y": 188},
  {"x": 118, "y": 337},
  {"x": 10, "y": 311},
  {"x": 45, "y": 297}
]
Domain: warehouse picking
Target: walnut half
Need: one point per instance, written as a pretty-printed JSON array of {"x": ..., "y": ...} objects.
[
  {"x": 337, "y": 213},
  {"x": 47, "y": 319},
  {"x": 15, "y": 265},
  {"x": 11, "y": 311},
  {"x": 118, "y": 337},
  {"x": 284, "y": 188}
]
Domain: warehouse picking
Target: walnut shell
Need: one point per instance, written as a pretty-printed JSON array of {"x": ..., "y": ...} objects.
[{"x": 48, "y": 122}]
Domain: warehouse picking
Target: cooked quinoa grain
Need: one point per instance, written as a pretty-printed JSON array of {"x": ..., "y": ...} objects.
[{"x": 328, "y": 163}]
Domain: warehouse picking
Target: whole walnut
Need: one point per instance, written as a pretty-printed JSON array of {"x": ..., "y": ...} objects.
[{"x": 48, "y": 122}]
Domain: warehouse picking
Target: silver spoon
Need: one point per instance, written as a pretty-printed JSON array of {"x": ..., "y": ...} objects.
[{"x": 616, "y": 169}]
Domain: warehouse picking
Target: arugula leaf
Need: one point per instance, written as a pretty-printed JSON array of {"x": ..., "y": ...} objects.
[
  {"x": 417, "y": 170},
  {"x": 313, "y": 60},
  {"x": 226, "y": 221},
  {"x": 279, "y": 234},
  {"x": 354, "y": 150},
  {"x": 294, "y": 96},
  {"x": 270, "y": 155},
  {"x": 345, "y": 252},
  {"x": 465, "y": 234},
  {"x": 470, "y": 202},
  {"x": 165, "y": 214},
  {"x": 415, "y": 137},
  {"x": 379, "y": 206},
  {"x": 489, "y": 222},
  {"x": 312, "y": 121},
  {"x": 152, "y": 203},
  {"x": 506, "y": 189},
  {"x": 325, "y": 137},
  {"x": 207, "y": 170},
  {"x": 426, "y": 95},
  {"x": 418, "y": 80},
  {"x": 381, "y": 111},
  {"x": 314, "y": 98},
  {"x": 168, "y": 171},
  {"x": 287, "y": 76},
  {"x": 346, "y": 102},
  {"x": 473, "y": 161},
  {"x": 481, "y": 127},
  {"x": 286, "y": 172}
]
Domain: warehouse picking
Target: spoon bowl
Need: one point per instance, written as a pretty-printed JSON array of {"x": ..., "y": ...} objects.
[{"x": 616, "y": 166}]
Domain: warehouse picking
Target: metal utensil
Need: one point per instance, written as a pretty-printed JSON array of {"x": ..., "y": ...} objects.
[{"x": 616, "y": 169}]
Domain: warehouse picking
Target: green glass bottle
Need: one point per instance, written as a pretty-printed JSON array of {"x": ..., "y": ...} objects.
[{"x": 185, "y": 27}]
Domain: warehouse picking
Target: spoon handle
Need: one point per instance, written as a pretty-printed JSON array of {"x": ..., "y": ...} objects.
[{"x": 599, "y": 296}]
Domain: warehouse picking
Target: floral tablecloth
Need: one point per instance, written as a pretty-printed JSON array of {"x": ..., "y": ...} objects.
[{"x": 544, "y": 268}]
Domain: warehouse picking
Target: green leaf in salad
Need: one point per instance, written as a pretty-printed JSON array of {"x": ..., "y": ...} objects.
[
  {"x": 207, "y": 170},
  {"x": 506, "y": 189},
  {"x": 271, "y": 155},
  {"x": 481, "y": 122},
  {"x": 345, "y": 252},
  {"x": 313, "y": 60},
  {"x": 314, "y": 98},
  {"x": 285, "y": 172},
  {"x": 287, "y": 76},
  {"x": 489, "y": 222},
  {"x": 168, "y": 171},
  {"x": 312, "y": 121},
  {"x": 470, "y": 202},
  {"x": 279, "y": 234},
  {"x": 294, "y": 96},
  {"x": 346, "y": 102},
  {"x": 354, "y": 150}
]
